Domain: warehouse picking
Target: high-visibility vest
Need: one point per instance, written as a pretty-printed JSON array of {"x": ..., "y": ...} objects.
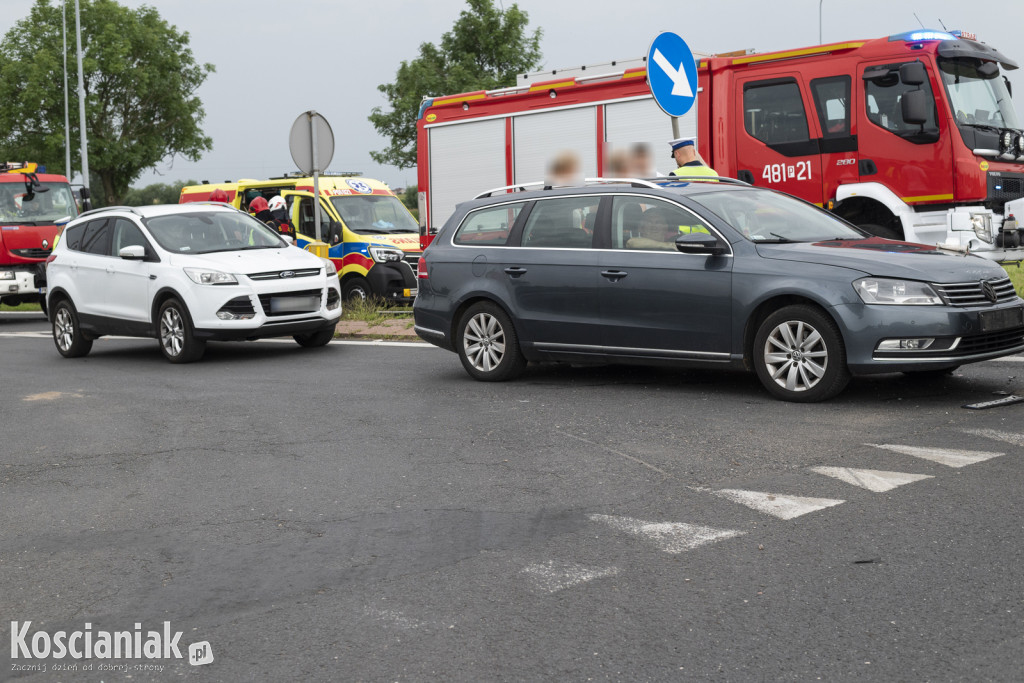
[{"x": 695, "y": 171}]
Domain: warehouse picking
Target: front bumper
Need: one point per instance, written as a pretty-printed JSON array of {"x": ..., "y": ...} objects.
[
  {"x": 24, "y": 282},
  {"x": 958, "y": 335},
  {"x": 393, "y": 282}
]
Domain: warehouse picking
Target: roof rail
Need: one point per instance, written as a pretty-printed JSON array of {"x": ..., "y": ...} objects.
[
  {"x": 650, "y": 183},
  {"x": 110, "y": 208}
]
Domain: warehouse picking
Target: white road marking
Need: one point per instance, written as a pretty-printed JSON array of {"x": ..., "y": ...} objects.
[
  {"x": 1009, "y": 437},
  {"x": 50, "y": 396},
  {"x": 943, "y": 456},
  {"x": 872, "y": 480},
  {"x": 619, "y": 453},
  {"x": 783, "y": 507},
  {"x": 671, "y": 537},
  {"x": 1008, "y": 359},
  {"x": 552, "y": 576}
]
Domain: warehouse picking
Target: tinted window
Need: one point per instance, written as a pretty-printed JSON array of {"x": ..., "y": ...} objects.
[
  {"x": 488, "y": 226},
  {"x": 774, "y": 112},
  {"x": 645, "y": 223},
  {"x": 205, "y": 232},
  {"x": 96, "y": 239},
  {"x": 73, "y": 237},
  {"x": 566, "y": 222},
  {"x": 764, "y": 216}
]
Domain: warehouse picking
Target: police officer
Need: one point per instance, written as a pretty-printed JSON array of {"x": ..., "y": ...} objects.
[{"x": 684, "y": 151}]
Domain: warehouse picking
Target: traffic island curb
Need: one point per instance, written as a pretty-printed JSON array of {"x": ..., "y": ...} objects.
[{"x": 392, "y": 330}]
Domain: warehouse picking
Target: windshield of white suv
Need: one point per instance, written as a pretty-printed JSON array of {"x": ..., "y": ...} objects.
[
  {"x": 48, "y": 203},
  {"x": 203, "y": 232},
  {"x": 374, "y": 214},
  {"x": 765, "y": 216}
]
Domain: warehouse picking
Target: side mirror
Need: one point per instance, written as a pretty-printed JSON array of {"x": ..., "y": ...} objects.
[
  {"x": 914, "y": 106},
  {"x": 913, "y": 73},
  {"x": 699, "y": 243},
  {"x": 133, "y": 252},
  {"x": 1009, "y": 86}
]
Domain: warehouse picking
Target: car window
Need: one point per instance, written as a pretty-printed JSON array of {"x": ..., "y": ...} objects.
[
  {"x": 203, "y": 232},
  {"x": 563, "y": 222},
  {"x": 73, "y": 236},
  {"x": 127, "y": 234},
  {"x": 489, "y": 226},
  {"x": 647, "y": 223},
  {"x": 765, "y": 216},
  {"x": 96, "y": 238}
]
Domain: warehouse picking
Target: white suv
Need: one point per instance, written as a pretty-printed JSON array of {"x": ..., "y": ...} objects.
[{"x": 185, "y": 274}]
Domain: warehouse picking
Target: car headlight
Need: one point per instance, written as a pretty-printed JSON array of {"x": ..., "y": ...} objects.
[
  {"x": 880, "y": 290},
  {"x": 6, "y": 274},
  {"x": 982, "y": 224},
  {"x": 385, "y": 254},
  {"x": 329, "y": 268},
  {"x": 203, "y": 276}
]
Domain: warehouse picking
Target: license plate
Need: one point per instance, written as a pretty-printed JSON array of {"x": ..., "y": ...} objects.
[
  {"x": 991, "y": 321},
  {"x": 294, "y": 304}
]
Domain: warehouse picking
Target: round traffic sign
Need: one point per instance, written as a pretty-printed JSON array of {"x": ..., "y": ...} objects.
[{"x": 311, "y": 142}]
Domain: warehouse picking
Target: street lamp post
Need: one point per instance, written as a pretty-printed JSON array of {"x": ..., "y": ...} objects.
[
  {"x": 67, "y": 123},
  {"x": 820, "y": 41}
]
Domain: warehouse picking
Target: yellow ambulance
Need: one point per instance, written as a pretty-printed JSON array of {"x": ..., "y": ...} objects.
[{"x": 372, "y": 238}]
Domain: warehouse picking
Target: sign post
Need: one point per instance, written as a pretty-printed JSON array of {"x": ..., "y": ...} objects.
[{"x": 311, "y": 143}]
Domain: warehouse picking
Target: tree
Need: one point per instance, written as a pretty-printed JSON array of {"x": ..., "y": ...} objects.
[
  {"x": 140, "y": 82},
  {"x": 486, "y": 48},
  {"x": 157, "y": 193}
]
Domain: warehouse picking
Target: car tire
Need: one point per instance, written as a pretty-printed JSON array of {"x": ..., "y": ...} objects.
[
  {"x": 68, "y": 337},
  {"x": 315, "y": 339},
  {"x": 799, "y": 355},
  {"x": 883, "y": 231},
  {"x": 356, "y": 289},
  {"x": 175, "y": 334},
  {"x": 488, "y": 345}
]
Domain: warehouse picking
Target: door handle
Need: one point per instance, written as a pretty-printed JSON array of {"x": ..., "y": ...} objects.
[
  {"x": 614, "y": 275},
  {"x": 515, "y": 271}
]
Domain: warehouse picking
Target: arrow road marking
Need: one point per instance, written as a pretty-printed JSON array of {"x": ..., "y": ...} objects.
[
  {"x": 552, "y": 577},
  {"x": 943, "y": 456},
  {"x": 783, "y": 507},
  {"x": 670, "y": 537},
  {"x": 872, "y": 480},
  {"x": 1009, "y": 437},
  {"x": 680, "y": 83}
]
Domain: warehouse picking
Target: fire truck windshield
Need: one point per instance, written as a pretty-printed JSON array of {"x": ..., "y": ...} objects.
[
  {"x": 374, "y": 214},
  {"x": 39, "y": 207},
  {"x": 977, "y": 93}
]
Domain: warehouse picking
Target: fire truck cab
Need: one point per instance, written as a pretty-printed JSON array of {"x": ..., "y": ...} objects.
[
  {"x": 33, "y": 206},
  {"x": 911, "y": 137},
  {"x": 369, "y": 234}
]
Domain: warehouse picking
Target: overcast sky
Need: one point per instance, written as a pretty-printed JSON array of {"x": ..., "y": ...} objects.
[{"x": 277, "y": 59}]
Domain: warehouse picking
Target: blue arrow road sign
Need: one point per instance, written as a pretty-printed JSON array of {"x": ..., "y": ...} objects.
[{"x": 672, "y": 74}]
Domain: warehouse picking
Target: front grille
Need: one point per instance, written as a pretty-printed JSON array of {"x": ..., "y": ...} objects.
[
  {"x": 267, "y": 299},
  {"x": 994, "y": 341},
  {"x": 276, "y": 274},
  {"x": 240, "y": 305},
  {"x": 1004, "y": 187},
  {"x": 31, "y": 253},
  {"x": 973, "y": 293},
  {"x": 413, "y": 259}
]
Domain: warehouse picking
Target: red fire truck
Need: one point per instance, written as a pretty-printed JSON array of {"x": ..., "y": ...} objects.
[
  {"x": 32, "y": 205},
  {"x": 912, "y": 136}
]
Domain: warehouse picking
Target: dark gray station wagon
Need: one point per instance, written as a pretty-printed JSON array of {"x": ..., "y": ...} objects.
[{"x": 697, "y": 273}]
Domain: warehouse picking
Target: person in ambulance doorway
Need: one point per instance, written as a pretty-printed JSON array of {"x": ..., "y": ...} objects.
[
  {"x": 279, "y": 210},
  {"x": 684, "y": 151},
  {"x": 260, "y": 210}
]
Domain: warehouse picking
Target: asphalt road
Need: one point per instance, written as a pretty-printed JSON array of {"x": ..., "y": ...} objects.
[{"x": 366, "y": 512}]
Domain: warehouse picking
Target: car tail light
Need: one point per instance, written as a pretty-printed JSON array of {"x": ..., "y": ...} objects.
[
  {"x": 421, "y": 268},
  {"x": 50, "y": 259}
]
